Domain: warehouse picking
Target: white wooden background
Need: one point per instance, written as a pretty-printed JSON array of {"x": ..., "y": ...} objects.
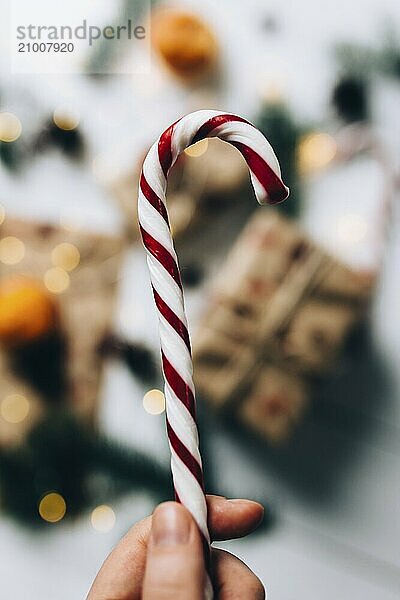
[{"x": 335, "y": 493}]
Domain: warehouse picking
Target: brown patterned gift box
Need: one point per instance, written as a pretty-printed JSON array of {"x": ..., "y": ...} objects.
[
  {"x": 280, "y": 312},
  {"x": 83, "y": 295}
]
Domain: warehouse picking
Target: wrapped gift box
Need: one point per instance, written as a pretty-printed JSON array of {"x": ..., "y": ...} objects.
[
  {"x": 85, "y": 311},
  {"x": 280, "y": 311},
  {"x": 275, "y": 403}
]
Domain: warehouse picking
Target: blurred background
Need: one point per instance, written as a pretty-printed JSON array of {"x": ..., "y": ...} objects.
[{"x": 293, "y": 311}]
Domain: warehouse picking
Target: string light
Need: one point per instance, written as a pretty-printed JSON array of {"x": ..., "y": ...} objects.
[
  {"x": 198, "y": 149},
  {"x": 14, "y": 408},
  {"x": 103, "y": 518},
  {"x": 352, "y": 228},
  {"x": 66, "y": 256},
  {"x": 154, "y": 402},
  {"x": 52, "y": 507},
  {"x": 315, "y": 151},
  {"x": 56, "y": 280},
  {"x": 65, "y": 119},
  {"x": 10, "y": 127},
  {"x": 12, "y": 250}
]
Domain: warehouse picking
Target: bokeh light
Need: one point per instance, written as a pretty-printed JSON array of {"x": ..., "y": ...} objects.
[
  {"x": 56, "y": 280},
  {"x": 315, "y": 151},
  {"x": 65, "y": 119},
  {"x": 197, "y": 149},
  {"x": 154, "y": 402},
  {"x": 52, "y": 507},
  {"x": 10, "y": 127},
  {"x": 66, "y": 256},
  {"x": 103, "y": 518},
  {"x": 12, "y": 250},
  {"x": 14, "y": 408}
]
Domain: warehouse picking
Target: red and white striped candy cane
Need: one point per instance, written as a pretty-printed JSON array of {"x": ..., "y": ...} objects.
[{"x": 166, "y": 280}]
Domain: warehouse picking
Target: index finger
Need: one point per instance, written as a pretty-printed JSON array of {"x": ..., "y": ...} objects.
[{"x": 229, "y": 519}]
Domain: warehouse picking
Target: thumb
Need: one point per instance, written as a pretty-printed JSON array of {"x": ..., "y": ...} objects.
[{"x": 175, "y": 562}]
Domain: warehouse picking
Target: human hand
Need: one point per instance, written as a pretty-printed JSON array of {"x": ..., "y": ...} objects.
[{"x": 161, "y": 557}]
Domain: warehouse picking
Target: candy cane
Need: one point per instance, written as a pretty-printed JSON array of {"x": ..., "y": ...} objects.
[{"x": 167, "y": 286}]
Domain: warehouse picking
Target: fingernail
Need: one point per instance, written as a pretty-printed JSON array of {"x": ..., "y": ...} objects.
[
  {"x": 170, "y": 526},
  {"x": 244, "y": 502}
]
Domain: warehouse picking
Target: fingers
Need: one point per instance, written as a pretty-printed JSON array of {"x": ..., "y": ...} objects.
[
  {"x": 228, "y": 519},
  {"x": 121, "y": 575},
  {"x": 233, "y": 579},
  {"x": 175, "y": 564}
]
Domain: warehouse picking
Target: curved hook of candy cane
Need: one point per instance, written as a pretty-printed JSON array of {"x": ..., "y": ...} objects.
[{"x": 166, "y": 281}]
